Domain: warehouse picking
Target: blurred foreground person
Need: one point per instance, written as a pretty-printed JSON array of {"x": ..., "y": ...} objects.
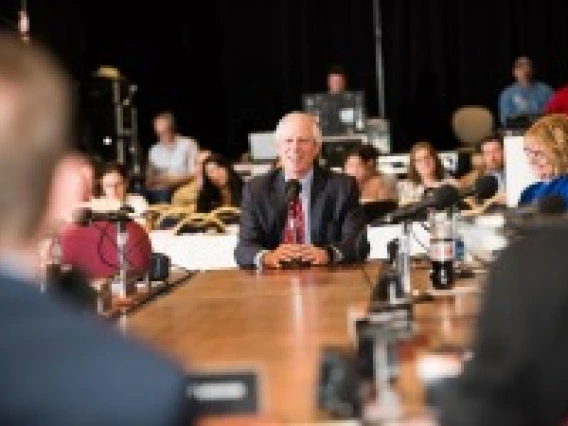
[
  {"x": 59, "y": 366},
  {"x": 518, "y": 372}
]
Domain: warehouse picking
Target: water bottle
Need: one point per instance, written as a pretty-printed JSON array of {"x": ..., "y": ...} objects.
[
  {"x": 459, "y": 245},
  {"x": 442, "y": 250}
]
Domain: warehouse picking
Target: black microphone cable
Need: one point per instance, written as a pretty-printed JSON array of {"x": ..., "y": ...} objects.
[{"x": 104, "y": 232}]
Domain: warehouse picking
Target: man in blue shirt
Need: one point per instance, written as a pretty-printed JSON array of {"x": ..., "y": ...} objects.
[{"x": 525, "y": 97}]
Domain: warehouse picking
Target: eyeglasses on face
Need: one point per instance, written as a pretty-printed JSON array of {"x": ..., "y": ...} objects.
[{"x": 536, "y": 154}]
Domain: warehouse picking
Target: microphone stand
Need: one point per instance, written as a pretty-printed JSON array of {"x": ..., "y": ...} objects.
[
  {"x": 126, "y": 282},
  {"x": 121, "y": 241},
  {"x": 403, "y": 259}
]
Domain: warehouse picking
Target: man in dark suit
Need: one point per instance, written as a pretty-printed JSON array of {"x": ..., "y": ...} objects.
[
  {"x": 59, "y": 365},
  {"x": 332, "y": 224}
]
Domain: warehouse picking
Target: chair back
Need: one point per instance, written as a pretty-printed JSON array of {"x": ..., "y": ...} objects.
[
  {"x": 199, "y": 223},
  {"x": 229, "y": 215},
  {"x": 472, "y": 123}
]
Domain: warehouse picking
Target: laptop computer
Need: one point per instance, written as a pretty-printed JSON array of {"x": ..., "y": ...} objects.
[{"x": 262, "y": 147}]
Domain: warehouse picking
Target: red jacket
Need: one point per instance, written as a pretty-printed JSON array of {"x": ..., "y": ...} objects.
[{"x": 93, "y": 248}]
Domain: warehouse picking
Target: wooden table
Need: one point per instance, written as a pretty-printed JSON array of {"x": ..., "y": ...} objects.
[
  {"x": 277, "y": 322},
  {"x": 445, "y": 325}
]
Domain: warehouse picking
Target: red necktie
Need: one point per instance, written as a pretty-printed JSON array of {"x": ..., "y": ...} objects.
[{"x": 294, "y": 228}]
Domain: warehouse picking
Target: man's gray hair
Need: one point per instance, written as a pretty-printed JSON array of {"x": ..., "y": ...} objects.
[{"x": 294, "y": 114}]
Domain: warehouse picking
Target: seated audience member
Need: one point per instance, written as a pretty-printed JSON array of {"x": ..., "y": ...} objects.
[
  {"x": 186, "y": 195},
  {"x": 525, "y": 97},
  {"x": 546, "y": 148},
  {"x": 114, "y": 185},
  {"x": 323, "y": 224},
  {"x": 336, "y": 79},
  {"x": 492, "y": 163},
  {"x": 59, "y": 365},
  {"x": 221, "y": 185},
  {"x": 361, "y": 163},
  {"x": 171, "y": 161},
  {"x": 425, "y": 172}
]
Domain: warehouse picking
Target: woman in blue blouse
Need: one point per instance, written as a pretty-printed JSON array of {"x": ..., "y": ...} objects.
[{"x": 546, "y": 148}]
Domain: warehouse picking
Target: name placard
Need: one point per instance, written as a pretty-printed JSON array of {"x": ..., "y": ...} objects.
[{"x": 220, "y": 393}]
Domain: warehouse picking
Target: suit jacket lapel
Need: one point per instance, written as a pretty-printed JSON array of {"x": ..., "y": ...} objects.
[
  {"x": 317, "y": 204},
  {"x": 278, "y": 203}
]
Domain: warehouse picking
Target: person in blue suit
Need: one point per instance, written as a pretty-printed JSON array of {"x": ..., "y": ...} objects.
[{"x": 59, "y": 364}]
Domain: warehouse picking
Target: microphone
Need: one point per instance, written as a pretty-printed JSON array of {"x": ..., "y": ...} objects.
[
  {"x": 548, "y": 205},
  {"x": 552, "y": 204},
  {"x": 293, "y": 188},
  {"x": 85, "y": 215},
  {"x": 546, "y": 212},
  {"x": 127, "y": 208},
  {"x": 439, "y": 198},
  {"x": 483, "y": 188}
]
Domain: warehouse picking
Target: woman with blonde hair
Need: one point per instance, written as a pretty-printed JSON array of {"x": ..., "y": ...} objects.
[
  {"x": 425, "y": 172},
  {"x": 546, "y": 148}
]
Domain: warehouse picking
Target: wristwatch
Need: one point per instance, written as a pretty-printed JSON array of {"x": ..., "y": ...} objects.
[{"x": 331, "y": 254}]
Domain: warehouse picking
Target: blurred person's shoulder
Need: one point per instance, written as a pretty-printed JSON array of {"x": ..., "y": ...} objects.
[{"x": 82, "y": 350}]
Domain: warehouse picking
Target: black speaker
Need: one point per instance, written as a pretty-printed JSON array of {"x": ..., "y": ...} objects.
[{"x": 106, "y": 117}]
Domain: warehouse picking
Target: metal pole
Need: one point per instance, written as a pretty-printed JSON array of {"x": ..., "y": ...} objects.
[
  {"x": 379, "y": 57},
  {"x": 121, "y": 241},
  {"x": 134, "y": 143},
  {"x": 404, "y": 259}
]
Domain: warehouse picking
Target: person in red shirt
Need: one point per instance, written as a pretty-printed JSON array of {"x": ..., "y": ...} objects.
[{"x": 558, "y": 102}]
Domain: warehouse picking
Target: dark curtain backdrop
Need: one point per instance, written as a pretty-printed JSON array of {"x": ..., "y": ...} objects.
[
  {"x": 441, "y": 54},
  {"x": 227, "y": 68}
]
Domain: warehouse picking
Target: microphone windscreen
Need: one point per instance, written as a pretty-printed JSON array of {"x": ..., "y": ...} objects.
[
  {"x": 551, "y": 204},
  {"x": 445, "y": 196},
  {"x": 126, "y": 208},
  {"x": 486, "y": 187}
]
